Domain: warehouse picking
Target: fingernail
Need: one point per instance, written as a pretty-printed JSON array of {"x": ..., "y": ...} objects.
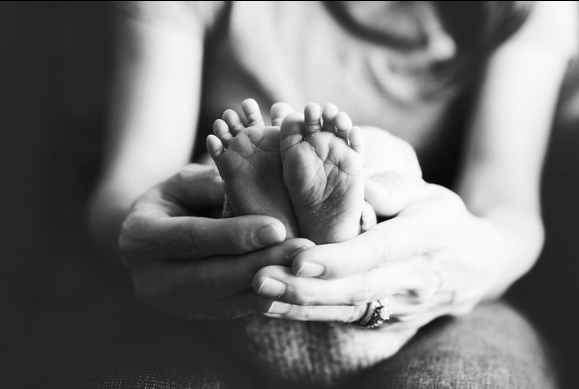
[
  {"x": 268, "y": 235},
  {"x": 309, "y": 269},
  {"x": 295, "y": 253},
  {"x": 278, "y": 308},
  {"x": 271, "y": 287}
]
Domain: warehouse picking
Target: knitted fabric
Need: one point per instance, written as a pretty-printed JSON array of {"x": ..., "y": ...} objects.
[{"x": 305, "y": 354}]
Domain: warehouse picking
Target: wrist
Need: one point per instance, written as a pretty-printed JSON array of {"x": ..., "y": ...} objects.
[{"x": 513, "y": 240}]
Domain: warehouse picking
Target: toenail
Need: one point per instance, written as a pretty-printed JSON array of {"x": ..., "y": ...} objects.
[
  {"x": 272, "y": 288},
  {"x": 268, "y": 235}
]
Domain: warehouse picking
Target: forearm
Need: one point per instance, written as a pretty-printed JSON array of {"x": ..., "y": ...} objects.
[
  {"x": 501, "y": 176},
  {"x": 154, "y": 111},
  {"x": 510, "y": 241}
]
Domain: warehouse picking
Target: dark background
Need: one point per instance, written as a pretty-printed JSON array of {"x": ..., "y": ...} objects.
[{"x": 55, "y": 74}]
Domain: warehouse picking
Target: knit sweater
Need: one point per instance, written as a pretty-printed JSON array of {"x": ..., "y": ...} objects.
[{"x": 312, "y": 354}]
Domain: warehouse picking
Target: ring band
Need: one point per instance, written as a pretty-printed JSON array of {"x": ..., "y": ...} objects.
[{"x": 376, "y": 313}]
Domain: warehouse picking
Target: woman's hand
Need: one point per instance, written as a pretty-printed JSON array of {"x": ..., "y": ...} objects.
[
  {"x": 433, "y": 259},
  {"x": 197, "y": 267}
]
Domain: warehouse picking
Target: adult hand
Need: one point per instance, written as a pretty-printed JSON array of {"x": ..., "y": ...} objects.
[
  {"x": 193, "y": 266},
  {"x": 392, "y": 171},
  {"x": 432, "y": 259}
]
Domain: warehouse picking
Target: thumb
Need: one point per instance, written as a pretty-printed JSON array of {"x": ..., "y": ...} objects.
[
  {"x": 196, "y": 187},
  {"x": 389, "y": 193}
]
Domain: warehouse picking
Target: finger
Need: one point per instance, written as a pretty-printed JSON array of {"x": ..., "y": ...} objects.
[
  {"x": 278, "y": 112},
  {"x": 387, "y": 153},
  {"x": 232, "y": 119},
  {"x": 252, "y": 113},
  {"x": 411, "y": 233},
  {"x": 194, "y": 189},
  {"x": 281, "y": 310},
  {"x": 152, "y": 234},
  {"x": 389, "y": 193},
  {"x": 415, "y": 277},
  {"x": 211, "y": 278}
]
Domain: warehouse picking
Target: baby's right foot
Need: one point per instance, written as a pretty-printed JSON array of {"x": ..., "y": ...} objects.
[
  {"x": 248, "y": 160},
  {"x": 323, "y": 170}
]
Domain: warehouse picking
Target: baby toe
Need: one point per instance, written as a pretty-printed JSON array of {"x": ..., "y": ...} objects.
[
  {"x": 343, "y": 125},
  {"x": 214, "y": 147},
  {"x": 221, "y": 131},
  {"x": 278, "y": 112},
  {"x": 252, "y": 113},
  {"x": 232, "y": 119}
]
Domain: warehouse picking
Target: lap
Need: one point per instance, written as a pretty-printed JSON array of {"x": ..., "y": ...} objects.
[{"x": 493, "y": 347}]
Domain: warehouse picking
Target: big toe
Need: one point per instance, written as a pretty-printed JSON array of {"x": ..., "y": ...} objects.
[
  {"x": 291, "y": 132},
  {"x": 233, "y": 121},
  {"x": 278, "y": 112},
  {"x": 312, "y": 118}
]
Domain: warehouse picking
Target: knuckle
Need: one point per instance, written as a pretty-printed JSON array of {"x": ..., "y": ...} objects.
[
  {"x": 301, "y": 296},
  {"x": 354, "y": 313},
  {"x": 233, "y": 230},
  {"x": 418, "y": 296},
  {"x": 453, "y": 203},
  {"x": 302, "y": 312},
  {"x": 181, "y": 240},
  {"x": 259, "y": 278},
  {"x": 365, "y": 292},
  {"x": 334, "y": 272}
]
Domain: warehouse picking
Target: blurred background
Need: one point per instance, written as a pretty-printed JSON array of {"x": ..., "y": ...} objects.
[{"x": 56, "y": 64}]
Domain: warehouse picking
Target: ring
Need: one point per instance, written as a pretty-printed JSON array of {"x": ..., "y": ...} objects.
[{"x": 376, "y": 314}]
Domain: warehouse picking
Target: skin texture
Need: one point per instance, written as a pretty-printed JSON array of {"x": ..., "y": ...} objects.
[
  {"x": 323, "y": 171},
  {"x": 309, "y": 177},
  {"x": 212, "y": 280},
  {"x": 444, "y": 252},
  {"x": 248, "y": 159}
]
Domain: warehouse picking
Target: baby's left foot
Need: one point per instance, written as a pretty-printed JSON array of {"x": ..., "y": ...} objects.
[
  {"x": 248, "y": 160},
  {"x": 323, "y": 170}
]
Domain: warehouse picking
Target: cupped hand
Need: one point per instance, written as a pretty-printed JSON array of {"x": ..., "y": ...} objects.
[
  {"x": 433, "y": 259},
  {"x": 193, "y": 266}
]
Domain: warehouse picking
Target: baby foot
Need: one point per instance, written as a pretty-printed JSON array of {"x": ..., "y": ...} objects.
[
  {"x": 248, "y": 160},
  {"x": 323, "y": 170}
]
